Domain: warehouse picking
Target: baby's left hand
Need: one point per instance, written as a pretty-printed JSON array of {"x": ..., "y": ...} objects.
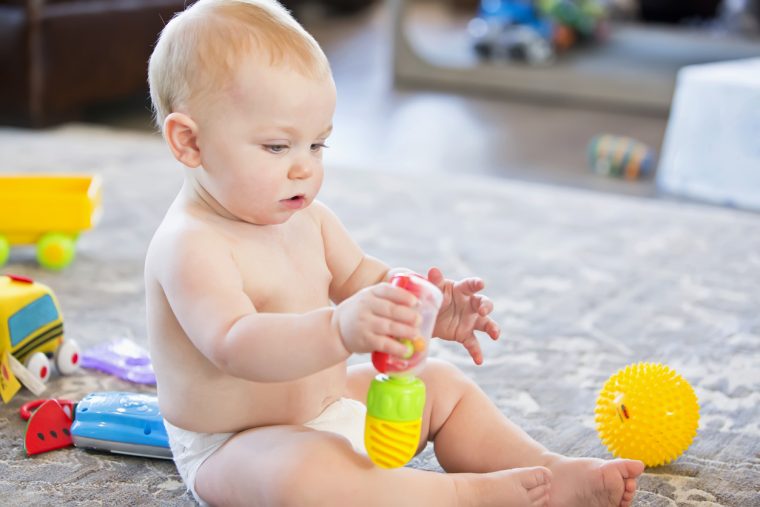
[{"x": 463, "y": 312}]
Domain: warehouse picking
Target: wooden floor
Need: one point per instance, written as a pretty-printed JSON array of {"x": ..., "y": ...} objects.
[{"x": 380, "y": 127}]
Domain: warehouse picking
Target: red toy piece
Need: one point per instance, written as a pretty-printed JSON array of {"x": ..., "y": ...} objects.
[
  {"x": 19, "y": 278},
  {"x": 49, "y": 427},
  {"x": 385, "y": 363}
]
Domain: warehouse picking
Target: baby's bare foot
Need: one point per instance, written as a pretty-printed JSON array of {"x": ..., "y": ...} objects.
[
  {"x": 591, "y": 482},
  {"x": 519, "y": 487}
]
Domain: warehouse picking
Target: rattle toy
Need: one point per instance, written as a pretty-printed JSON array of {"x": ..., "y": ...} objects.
[
  {"x": 647, "y": 412},
  {"x": 396, "y": 397},
  {"x": 111, "y": 421},
  {"x": 48, "y": 211}
]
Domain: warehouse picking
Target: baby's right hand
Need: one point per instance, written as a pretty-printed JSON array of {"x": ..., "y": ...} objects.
[{"x": 371, "y": 319}]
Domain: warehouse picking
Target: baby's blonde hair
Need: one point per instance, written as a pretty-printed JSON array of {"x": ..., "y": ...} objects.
[{"x": 200, "y": 47}]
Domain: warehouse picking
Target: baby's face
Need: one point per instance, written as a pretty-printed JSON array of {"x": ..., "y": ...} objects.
[{"x": 261, "y": 142}]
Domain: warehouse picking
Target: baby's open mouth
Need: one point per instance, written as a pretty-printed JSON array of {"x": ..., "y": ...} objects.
[{"x": 295, "y": 202}]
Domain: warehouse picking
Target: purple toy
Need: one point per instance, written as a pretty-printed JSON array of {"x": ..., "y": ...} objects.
[{"x": 121, "y": 357}]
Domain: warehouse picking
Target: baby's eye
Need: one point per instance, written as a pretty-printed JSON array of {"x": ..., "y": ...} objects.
[
  {"x": 318, "y": 147},
  {"x": 275, "y": 148}
]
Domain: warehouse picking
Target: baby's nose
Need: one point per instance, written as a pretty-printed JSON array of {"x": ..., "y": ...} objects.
[{"x": 301, "y": 169}]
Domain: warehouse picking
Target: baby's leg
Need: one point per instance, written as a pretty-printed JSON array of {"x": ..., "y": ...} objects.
[
  {"x": 470, "y": 434},
  {"x": 292, "y": 465}
]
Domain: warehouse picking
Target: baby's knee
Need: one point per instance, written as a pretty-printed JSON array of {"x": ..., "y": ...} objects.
[{"x": 437, "y": 370}]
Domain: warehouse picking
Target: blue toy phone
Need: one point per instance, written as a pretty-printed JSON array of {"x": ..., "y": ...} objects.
[{"x": 122, "y": 423}]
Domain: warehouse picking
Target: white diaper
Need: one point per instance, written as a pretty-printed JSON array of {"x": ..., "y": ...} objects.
[{"x": 190, "y": 449}]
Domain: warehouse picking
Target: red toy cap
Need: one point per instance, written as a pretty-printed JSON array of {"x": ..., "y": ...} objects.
[
  {"x": 407, "y": 281},
  {"x": 19, "y": 278}
]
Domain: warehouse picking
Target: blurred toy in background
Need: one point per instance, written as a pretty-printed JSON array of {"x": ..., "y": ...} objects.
[
  {"x": 512, "y": 30},
  {"x": 535, "y": 31},
  {"x": 620, "y": 156},
  {"x": 121, "y": 357},
  {"x": 623, "y": 10},
  {"x": 31, "y": 329},
  {"x": 648, "y": 412},
  {"x": 49, "y": 211},
  {"x": 575, "y": 21}
]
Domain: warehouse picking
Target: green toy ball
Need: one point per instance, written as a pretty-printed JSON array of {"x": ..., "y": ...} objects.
[
  {"x": 5, "y": 249},
  {"x": 56, "y": 251},
  {"x": 648, "y": 412}
]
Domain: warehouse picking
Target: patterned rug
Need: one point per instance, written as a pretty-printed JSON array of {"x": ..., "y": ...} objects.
[{"x": 583, "y": 284}]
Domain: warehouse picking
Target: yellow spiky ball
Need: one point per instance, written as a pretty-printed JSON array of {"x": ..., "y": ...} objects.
[{"x": 647, "y": 411}]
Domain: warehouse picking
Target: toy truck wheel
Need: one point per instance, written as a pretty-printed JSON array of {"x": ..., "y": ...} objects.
[
  {"x": 39, "y": 366},
  {"x": 67, "y": 357},
  {"x": 5, "y": 249},
  {"x": 55, "y": 250}
]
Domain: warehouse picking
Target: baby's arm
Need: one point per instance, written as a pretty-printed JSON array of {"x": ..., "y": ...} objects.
[
  {"x": 203, "y": 285},
  {"x": 351, "y": 269}
]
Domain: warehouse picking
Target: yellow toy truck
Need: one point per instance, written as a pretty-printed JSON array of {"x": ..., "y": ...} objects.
[
  {"x": 49, "y": 211},
  {"x": 31, "y": 328}
]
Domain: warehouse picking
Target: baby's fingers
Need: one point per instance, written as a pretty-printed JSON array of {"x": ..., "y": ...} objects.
[
  {"x": 469, "y": 286},
  {"x": 473, "y": 347},
  {"x": 481, "y": 305},
  {"x": 392, "y": 294},
  {"x": 436, "y": 277},
  {"x": 394, "y": 329},
  {"x": 386, "y": 309},
  {"x": 488, "y": 326},
  {"x": 388, "y": 345}
]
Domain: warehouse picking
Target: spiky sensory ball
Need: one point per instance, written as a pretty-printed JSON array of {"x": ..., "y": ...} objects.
[{"x": 647, "y": 411}]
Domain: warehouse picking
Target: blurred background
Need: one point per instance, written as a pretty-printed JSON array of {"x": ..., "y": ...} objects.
[{"x": 514, "y": 89}]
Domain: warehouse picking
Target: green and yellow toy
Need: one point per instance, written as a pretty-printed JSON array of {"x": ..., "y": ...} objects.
[
  {"x": 648, "y": 412},
  {"x": 396, "y": 397},
  {"x": 49, "y": 211}
]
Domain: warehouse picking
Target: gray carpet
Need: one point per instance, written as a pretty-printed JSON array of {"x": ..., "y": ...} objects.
[{"x": 583, "y": 284}]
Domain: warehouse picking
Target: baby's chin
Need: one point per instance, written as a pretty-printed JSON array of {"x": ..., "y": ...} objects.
[{"x": 268, "y": 219}]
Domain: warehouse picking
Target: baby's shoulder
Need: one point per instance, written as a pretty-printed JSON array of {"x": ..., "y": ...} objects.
[
  {"x": 317, "y": 210},
  {"x": 320, "y": 213},
  {"x": 180, "y": 240}
]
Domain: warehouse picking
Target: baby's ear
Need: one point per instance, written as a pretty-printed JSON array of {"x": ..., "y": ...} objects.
[{"x": 181, "y": 133}]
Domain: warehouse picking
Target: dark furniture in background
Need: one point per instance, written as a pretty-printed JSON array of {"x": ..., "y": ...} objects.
[
  {"x": 675, "y": 11},
  {"x": 58, "y": 57}
]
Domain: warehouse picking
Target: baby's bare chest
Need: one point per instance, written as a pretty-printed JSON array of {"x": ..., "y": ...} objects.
[{"x": 285, "y": 274}]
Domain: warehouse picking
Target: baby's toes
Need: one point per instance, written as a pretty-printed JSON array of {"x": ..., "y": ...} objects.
[
  {"x": 628, "y": 493},
  {"x": 539, "y": 496}
]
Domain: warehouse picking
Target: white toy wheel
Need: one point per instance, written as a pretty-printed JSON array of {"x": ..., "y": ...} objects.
[
  {"x": 39, "y": 366},
  {"x": 67, "y": 357}
]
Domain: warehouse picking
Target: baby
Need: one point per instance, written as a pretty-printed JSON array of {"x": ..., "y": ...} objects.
[{"x": 257, "y": 295}]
